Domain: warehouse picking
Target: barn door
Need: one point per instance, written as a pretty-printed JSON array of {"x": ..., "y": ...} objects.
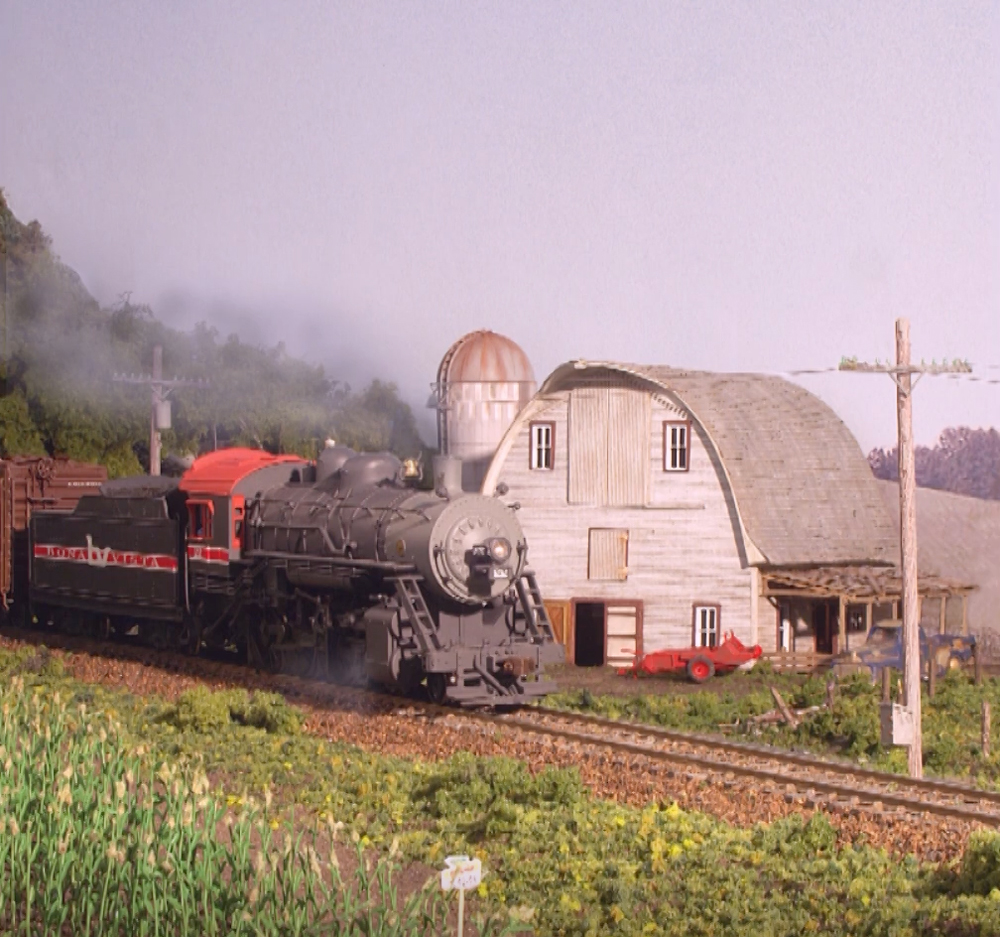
[{"x": 623, "y": 634}]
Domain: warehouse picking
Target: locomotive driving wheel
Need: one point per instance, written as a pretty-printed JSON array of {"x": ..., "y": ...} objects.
[
  {"x": 437, "y": 687},
  {"x": 261, "y": 640},
  {"x": 101, "y": 628}
]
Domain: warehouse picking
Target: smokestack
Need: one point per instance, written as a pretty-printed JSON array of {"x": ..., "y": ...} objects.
[{"x": 447, "y": 476}]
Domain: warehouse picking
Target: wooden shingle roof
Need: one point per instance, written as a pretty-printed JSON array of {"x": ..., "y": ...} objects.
[{"x": 803, "y": 489}]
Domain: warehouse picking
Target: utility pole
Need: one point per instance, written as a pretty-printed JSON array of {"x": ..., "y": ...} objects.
[
  {"x": 908, "y": 545},
  {"x": 905, "y": 376},
  {"x": 160, "y": 414}
]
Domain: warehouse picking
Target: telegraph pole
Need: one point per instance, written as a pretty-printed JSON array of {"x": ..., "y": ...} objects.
[
  {"x": 905, "y": 377},
  {"x": 908, "y": 545},
  {"x": 160, "y": 414}
]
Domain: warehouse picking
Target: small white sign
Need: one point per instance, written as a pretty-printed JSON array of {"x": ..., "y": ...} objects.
[
  {"x": 462, "y": 873},
  {"x": 896, "y": 723}
]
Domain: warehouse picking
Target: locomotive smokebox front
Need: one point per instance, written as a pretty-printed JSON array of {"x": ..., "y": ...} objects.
[{"x": 472, "y": 551}]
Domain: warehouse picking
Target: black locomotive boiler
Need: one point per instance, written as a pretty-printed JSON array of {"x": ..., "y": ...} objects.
[{"x": 332, "y": 568}]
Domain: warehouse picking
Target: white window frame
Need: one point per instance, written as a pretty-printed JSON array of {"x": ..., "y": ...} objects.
[
  {"x": 676, "y": 446},
  {"x": 706, "y": 625},
  {"x": 542, "y": 452}
]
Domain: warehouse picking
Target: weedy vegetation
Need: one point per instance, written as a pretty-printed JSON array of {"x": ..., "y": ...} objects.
[
  {"x": 201, "y": 814},
  {"x": 952, "y": 739}
]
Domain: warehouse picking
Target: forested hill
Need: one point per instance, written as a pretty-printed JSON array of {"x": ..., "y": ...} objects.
[
  {"x": 965, "y": 461},
  {"x": 59, "y": 350}
]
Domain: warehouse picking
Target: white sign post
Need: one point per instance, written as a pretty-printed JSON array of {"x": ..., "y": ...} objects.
[{"x": 461, "y": 872}]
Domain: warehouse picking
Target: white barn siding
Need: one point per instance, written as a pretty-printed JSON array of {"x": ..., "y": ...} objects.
[
  {"x": 682, "y": 546},
  {"x": 767, "y": 617}
]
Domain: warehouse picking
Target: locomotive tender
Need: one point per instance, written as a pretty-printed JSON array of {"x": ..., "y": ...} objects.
[{"x": 335, "y": 568}]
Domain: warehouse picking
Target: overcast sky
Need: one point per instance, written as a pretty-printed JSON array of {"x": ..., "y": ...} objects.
[{"x": 735, "y": 186}]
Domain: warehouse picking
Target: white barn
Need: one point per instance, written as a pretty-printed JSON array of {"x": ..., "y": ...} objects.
[{"x": 666, "y": 507}]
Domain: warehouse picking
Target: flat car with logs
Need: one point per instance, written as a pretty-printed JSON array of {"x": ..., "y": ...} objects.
[{"x": 340, "y": 568}]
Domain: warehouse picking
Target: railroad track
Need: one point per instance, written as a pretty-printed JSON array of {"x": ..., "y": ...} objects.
[
  {"x": 837, "y": 784},
  {"x": 834, "y": 785}
]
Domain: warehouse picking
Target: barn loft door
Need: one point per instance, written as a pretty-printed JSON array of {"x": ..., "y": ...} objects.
[
  {"x": 609, "y": 446},
  {"x": 628, "y": 447},
  {"x": 588, "y": 448}
]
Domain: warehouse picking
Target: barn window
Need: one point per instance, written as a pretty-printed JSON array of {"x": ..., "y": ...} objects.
[
  {"x": 543, "y": 437},
  {"x": 676, "y": 447},
  {"x": 608, "y": 554},
  {"x": 706, "y": 625},
  {"x": 200, "y": 520}
]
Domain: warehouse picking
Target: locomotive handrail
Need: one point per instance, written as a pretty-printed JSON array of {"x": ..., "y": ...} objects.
[
  {"x": 381, "y": 565},
  {"x": 338, "y": 551}
]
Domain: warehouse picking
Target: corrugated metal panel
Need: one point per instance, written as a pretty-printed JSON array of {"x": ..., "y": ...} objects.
[
  {"x": 588, "y": 466},
  {"x": 628, "y": 447},
  {"x": 485, "y": 356},
  {"x": 608, "y": 559}
]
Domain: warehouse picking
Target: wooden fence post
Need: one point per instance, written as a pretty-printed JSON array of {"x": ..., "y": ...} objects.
[
  {"x": 931, "y": 676},
  {"x": 886, "y": 684},
  {"x": 978, "y": 658},
  {"x": 986, "y": 729}
]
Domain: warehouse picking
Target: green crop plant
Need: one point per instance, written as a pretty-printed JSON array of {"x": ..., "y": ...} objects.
[{"x": 100, "y": 838}]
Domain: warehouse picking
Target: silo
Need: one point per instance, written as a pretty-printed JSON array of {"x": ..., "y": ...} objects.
[{"x": 483, "y": 382}]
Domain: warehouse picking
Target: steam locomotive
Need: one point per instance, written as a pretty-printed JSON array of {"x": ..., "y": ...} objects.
[{"x": 338, "y": 568}]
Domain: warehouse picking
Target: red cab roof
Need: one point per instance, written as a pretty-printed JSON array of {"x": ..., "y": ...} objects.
[{"x": 219, "y": 472}]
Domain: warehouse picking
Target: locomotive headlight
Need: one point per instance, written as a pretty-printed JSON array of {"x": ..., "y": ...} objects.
[{"x": 499, "y": 548}]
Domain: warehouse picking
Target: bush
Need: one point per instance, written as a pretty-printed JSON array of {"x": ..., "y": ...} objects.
[
  {"x": 979, "y": 873},
  {"x": 201, "y": 710}
]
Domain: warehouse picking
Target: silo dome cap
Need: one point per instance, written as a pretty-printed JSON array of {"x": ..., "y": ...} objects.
[{"x": 485, "y": 357}]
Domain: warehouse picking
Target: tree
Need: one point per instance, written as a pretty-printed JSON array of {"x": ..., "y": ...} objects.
[
  {"x": 965, "y": 461},
  {"x": 377, "y": 420},
  {"x": 61, "y": 349}
]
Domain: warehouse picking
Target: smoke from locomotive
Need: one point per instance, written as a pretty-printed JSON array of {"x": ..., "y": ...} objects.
[{"x": 329, "y": 567}]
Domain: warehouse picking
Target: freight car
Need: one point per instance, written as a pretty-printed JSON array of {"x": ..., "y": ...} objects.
[
  {"x": 334, "y": 568},
  {"x": 29, "y": 484}
]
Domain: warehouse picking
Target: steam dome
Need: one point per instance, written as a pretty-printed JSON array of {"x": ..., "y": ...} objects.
[{"x": 483, "y": 382}]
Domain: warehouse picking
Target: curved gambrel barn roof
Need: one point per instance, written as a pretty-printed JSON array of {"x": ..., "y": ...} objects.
[{"x": 802, "y": 487}]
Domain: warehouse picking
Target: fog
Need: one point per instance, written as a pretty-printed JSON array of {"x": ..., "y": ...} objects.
[{"x": 719, "y": 186}]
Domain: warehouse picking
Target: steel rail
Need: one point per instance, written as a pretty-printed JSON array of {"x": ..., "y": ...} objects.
[
  {"x": 890, "y": 795},
  {"x": 751, "y": 750}
]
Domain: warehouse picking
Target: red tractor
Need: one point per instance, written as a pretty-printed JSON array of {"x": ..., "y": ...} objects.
[{"x": 700, "y": 663}]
